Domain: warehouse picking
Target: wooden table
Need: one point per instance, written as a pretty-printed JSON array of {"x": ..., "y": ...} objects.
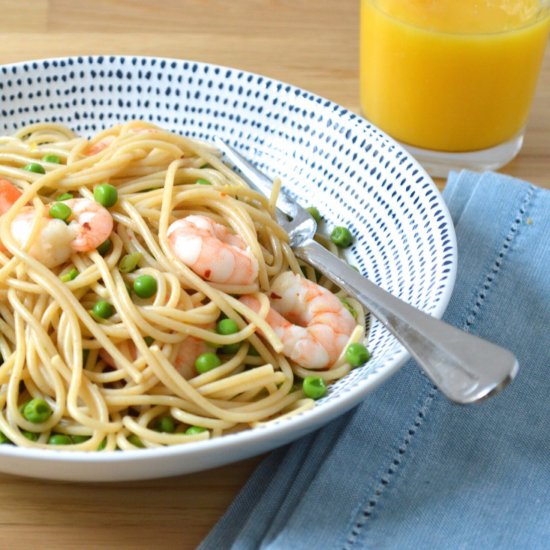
[{"x": 310, "y": 44}]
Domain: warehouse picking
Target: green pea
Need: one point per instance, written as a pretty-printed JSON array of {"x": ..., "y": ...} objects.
[
  {"x": 54, "y": 159},
  {"x": 145, "y": 286},
  {"x": 315, "y": 214},
  {"x": 34, "y": 167},
  {"x": 136, "y": 441},
  {"x": 357, "y": 354},
  {"x": 165, "y": 424},
  {"x": 193, "y": 430},
  {"x": 148, "y": 340},
  {"x": 314, "y": 387},
  {"x": 227, "y": 326},
  {"x": 106, "y": 195},
  {"x": 129, "y": 262},
  {"x": 79, "y": 438},
  {"x": 70, "y": 275},
  {"x": 37, "y": 410},
  {"x": 103, "y": 309},
  {"x": 206, "y": 362},
  {"x": 60, "y": 211},
  {"x": 349, "y": 307},
  {"x": 64, "y": 197},
  {"x": 202, "y": 181},
  {"x": 341, "y": 237},
  {"x": 104, "y": 247},
  {"x": 32, "y": 436},
  {"x": 4, "y": 440},
  {"x": 102, "y": 445},
  {"x": 231, "y": 349},
  {"x": 60, "y": 439}
]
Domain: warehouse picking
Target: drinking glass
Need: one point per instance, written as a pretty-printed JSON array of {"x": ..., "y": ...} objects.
[{"x": 452, "y": 80}]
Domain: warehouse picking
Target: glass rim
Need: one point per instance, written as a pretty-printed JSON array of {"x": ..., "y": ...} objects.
[{"x": 541, "y": 14}]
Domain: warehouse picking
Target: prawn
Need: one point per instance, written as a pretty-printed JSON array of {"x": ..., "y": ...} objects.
[
  {"x": 107, "y": 141},
  {"x": 90, "y": 225},
  {"x": 53, "y": 245},
  {"x": 184, "y": 361},
  {"x": 8, "y": 195},
  {"x": 312, "y": 323},
  {"x": 101, "y": 145},
  {"x": 187, "y": 354},
  {"x": 212, "y": 251}
]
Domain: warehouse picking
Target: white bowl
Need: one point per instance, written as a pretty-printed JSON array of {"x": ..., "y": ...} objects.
[{"x": 325, "y": 154}]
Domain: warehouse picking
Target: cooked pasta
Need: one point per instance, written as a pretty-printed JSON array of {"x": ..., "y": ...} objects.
[{"x": 148, "y": 296}]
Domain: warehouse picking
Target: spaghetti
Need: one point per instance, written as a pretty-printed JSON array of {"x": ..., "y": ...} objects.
[{"x": 160, "y": 327}]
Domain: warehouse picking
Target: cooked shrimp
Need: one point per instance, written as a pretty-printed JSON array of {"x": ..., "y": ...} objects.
[
  {"x": 91, "y": 222},
  {"x": 212, "y": 251},
  {"x": 184, "y": 362},
  {"x": 90, "y": 225},
  {"x": 8, "y": 195},
  {"x": 101, "y": 145},
  {"x": 105, "y": 142},
  {"x": 187, "y": 354},
  {"x": 311, "y": 322},
  {"x": 126, "y": 347},
  {"x": 53, "y": 245}
]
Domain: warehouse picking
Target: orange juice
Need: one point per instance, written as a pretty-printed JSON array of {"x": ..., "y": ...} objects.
[{"x": 451, "y": 75}]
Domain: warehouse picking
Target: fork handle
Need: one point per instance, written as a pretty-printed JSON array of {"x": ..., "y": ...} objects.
[{"x": 464, "y": 367}]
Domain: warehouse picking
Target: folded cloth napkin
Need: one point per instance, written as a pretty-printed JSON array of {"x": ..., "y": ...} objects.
[{"x": 407, "y": 468}]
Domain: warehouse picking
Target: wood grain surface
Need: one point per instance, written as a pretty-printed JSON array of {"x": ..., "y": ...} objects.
[{"x": 313, "y": 45}]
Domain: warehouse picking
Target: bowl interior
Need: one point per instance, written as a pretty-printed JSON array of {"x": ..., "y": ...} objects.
[{"x": 325, "y": 155}]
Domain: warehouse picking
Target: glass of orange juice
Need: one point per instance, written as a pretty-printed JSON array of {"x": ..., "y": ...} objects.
[{"x": 452, "y": 80}]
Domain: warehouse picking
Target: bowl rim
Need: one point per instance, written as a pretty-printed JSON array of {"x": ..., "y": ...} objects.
[{"x": 304, "y": 422}]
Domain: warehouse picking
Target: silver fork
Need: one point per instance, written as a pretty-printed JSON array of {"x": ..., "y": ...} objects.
[{"x": 464, "y": 367}]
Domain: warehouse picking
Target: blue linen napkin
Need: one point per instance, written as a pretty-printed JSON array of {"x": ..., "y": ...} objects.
[{"x": 408, "y": 469}]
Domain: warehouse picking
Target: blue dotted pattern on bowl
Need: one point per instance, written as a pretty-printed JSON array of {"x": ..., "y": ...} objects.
[{"x": 325, "y": 155}]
